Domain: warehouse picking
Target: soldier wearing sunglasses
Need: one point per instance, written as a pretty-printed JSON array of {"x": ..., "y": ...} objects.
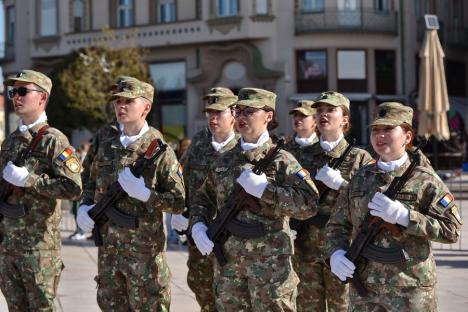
[{"x": 30, "y": 261}]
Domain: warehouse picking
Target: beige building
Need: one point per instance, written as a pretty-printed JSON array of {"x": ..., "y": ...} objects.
[{"x": 367, "y": 49}]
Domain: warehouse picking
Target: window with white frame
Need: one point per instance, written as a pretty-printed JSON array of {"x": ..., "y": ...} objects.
[
  {"x": 261, "y": 7},
  {"x": 166, "y": 11},
  {"x": 10, "y": 18},
  {"x": 78, "y": 15},
  {"x": 313, "y": 5},
  {"x": 48, "y": 18},
  {"x": 227, "y": 7},
  {"x": 382, "y": 6},
  {"x": 125, "y": 12}
]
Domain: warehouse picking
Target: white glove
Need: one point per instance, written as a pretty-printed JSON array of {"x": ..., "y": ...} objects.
[
  {"x": 179, "y": 222},
  {"x": 341, "y": 266},
  {"x": 83, "y": 220},
  {"x": 294, "y": 234},
  {"x": 135, "y": 187},
  {"x": 15, "y": 175},
  {"x": 252, "y": 183},
  {"x": 203, "y": 243},
  {"x": 330, "y": 177},
  {"x": 391, "y": 211}
]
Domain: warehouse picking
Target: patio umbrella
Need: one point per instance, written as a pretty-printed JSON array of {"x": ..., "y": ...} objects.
[{"x": 433, "y": 101}]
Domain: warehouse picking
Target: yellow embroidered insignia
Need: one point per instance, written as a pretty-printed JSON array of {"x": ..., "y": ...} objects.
[{"x": 73, "y": 164}]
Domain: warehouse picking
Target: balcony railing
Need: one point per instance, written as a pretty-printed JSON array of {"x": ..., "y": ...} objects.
[{"x": 334, "y": 20}]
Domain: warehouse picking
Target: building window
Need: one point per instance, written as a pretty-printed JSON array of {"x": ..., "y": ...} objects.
[
  {"x": 311, "y": 71},
  {"x": 48, "y": 18},
  {"x": 78, "y": 15},
  {"x": 352, "y": 71},
  {"x": 382, "y": 6},
  {"x": 385, "y": 72},
  {"x": 170, "y": 114},
  {"x": 166, "y": 11},
  {"x": 261, "y": 7},
  {"x": 313, "y": 6},
  {"x": 125, "y": 13},
  {"x": 10, "y": 17},
  {"x": 227, "y": 8}
]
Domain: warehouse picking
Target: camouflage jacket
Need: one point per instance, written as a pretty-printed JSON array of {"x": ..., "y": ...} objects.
[
  {"x": 433, "y": 217},
  {"x": 54, "y": 174},
  {"x": 310, "y": 242},
  {"x": 197, "y": 160},
  {"x": 288, "y": 194},
  {"x": 163, "y": 178}
]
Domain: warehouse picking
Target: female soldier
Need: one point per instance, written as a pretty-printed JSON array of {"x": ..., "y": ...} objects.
[
  {"x": 258, "y": 275},
  {"x": 424, "y": 210},
  {"x": 318, "y": 288}
]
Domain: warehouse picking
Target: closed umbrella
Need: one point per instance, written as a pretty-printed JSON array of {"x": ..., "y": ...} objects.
[{"x": 433, "y": 101}]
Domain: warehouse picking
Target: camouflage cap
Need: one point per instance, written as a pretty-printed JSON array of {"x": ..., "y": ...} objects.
[
  {"x": 304, "y": 107},
  {"x": 132, "y": 88},
  {"x": 331, "y": 98},
  {"x": 32, "y": 76},
  {"x": 257, "y": 98},
  {"x": 219, "y": 99},
  {"x": 393, "y": 114}
]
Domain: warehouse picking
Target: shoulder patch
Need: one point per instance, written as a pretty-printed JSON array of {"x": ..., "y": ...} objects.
[
  {"x": 302, "y": 174},
  {"x": 180, "y": 171},
  {"x": 73, "y": 164},
  {"x": 65, "y": 154},
  {"x": 446, "y": 200},
  {"x": 454, "y": 212}
]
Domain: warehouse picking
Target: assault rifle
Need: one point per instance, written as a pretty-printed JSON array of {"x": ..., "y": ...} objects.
[
  {"x": 17, "y": 211},
  {"x": 105, "y": 209},
  {"x": 225, "y": 222},
  {"x": 371, "y": 226},
  {"x": 321, "y": 220}
]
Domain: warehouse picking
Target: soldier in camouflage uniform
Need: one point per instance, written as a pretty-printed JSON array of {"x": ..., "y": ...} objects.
[
  {"x": 319, "y": 289},
  {"x": 132, "y": 269},
  {"x": 424, "y": 210},
  {"x": 207, "y": 145},
  {"x": 258, "y": 275},
  {"x": 30, "y": 261}
]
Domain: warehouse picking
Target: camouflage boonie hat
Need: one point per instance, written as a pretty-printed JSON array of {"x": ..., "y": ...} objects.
[
  {"x": 393, "y": 114},
  {"x": 32, "y": 76},
  {"x": 219, "y": 99},
  {"x": 132, "y": 88},
  {"x": 257, "y": 98},
  {"x": 304, "y": 107},
  {"x": 331, "y": 98}
]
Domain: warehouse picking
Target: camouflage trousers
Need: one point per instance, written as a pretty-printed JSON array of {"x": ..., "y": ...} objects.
[
  {"x": 200, "y": 277},
  {"x": 319, "y": 290},
  {"x": 133, "y": 282},
  {"x": 29, "y": 280},
  {"x": 394, "y": 299},
  {"x": 256, "y": 284}
]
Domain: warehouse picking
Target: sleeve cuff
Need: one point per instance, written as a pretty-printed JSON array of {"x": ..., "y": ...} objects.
[
  {"x": 31, "y": 180},
  {"x": 269, "y": 195}
]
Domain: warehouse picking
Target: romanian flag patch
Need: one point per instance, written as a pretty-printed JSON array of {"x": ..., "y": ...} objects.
[
  {"x": 65, "y": 154},
  {"x": 180, "y": 171},
  {"x": 446, "y": 200},
  {"x": 302, "y": 174}
]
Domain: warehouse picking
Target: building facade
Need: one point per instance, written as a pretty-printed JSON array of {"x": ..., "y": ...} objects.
[{"x": 366, "y": 49}]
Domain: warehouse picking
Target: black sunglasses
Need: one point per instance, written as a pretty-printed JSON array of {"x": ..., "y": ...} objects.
[{"x": 21, "y": 91}]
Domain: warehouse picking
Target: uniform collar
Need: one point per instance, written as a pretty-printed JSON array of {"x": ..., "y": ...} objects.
[
  {"x": 23, "y": 128},
  {"x": 257, "y": 153},
  {"x": 306, "y": 141}
]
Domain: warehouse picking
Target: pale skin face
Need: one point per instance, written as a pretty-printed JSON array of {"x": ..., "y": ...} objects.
[
  {"x": 330, "y": 121},
  {"x": 220, "y": 123},
  {"x": 131, "y": 113},
  {"x": 389, "y": 142},
  {"x": 252, "y": 122},
  {"x": 30, "y": 106},
  {"x": 303, "y": 125}
]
